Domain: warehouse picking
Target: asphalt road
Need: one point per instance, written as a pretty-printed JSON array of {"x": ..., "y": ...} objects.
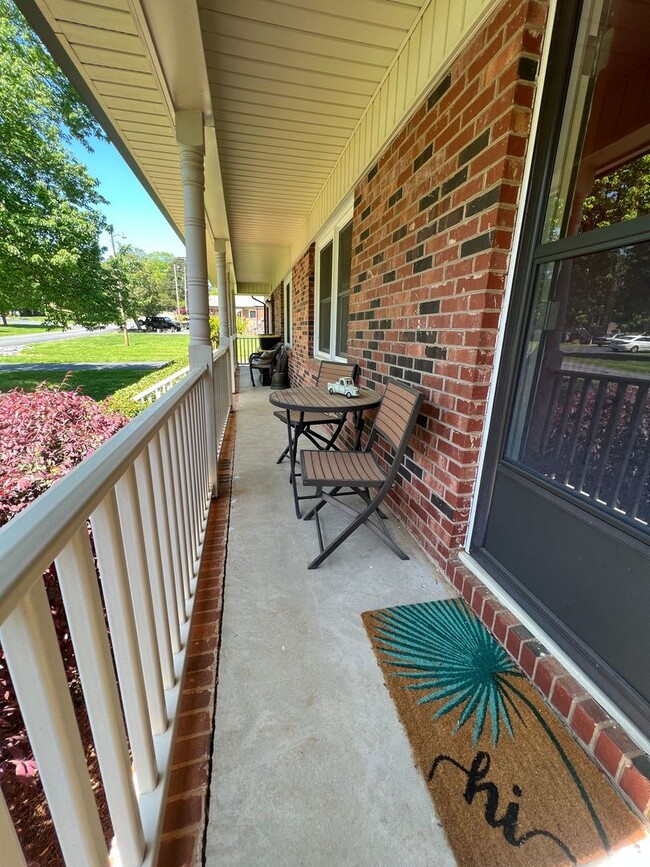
[{"x": 49, "y": 336}]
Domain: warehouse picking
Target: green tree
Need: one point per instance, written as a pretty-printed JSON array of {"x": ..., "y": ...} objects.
[
  {"x": 146, "y": 280},
  {"x": 50, "y": 256}
]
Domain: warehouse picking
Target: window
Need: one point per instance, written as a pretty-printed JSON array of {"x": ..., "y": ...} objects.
[
  {"x": 333, "y": 270},
  {"x": 582, "y": 407},
  {"x": 252, "y": 314},
  {"x": 287, "y": 310}
]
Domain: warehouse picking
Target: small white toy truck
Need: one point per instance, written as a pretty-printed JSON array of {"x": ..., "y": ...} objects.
[{"x": 344, "y": 385}]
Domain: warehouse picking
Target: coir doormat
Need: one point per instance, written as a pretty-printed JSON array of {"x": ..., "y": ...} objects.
[{"x": 510, "y": 785}]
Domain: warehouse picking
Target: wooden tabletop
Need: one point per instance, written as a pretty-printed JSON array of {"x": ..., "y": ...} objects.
[{"x": 318, "y": 399}]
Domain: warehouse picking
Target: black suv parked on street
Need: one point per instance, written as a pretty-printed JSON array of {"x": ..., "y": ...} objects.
[{"x": 159, "y": 323}]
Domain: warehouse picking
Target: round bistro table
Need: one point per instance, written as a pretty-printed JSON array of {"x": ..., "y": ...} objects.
[{"x": 307, "y": 399}]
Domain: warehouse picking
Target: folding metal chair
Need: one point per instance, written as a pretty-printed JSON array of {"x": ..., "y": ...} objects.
[
  {"x": 329, "y": 371},
  {"x": 360, "y": 472}
]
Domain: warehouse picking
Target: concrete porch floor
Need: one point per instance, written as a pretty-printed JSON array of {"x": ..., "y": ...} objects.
[{"x": 311, "y": 765}]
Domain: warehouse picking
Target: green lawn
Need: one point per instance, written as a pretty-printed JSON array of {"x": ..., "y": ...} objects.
[
  {"x": 638, "y": 364},
  {"x": 12, "y": 329},
  {"x": 105, "y": 347},
  {"x": 97, "y": 384}
]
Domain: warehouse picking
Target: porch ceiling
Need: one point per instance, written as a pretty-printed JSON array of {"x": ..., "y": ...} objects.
[
  {"x": 289, "y": 81},
  {"x": 282, "y": 85}
]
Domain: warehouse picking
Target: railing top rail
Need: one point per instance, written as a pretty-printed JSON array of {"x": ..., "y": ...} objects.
[
  {"x": 178, "y": 374},
  {"x": 219, "y": 352},
  {"x": 32, "y": 540}
]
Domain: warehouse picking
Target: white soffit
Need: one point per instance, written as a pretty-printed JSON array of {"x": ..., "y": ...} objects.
[{"x": 290, "y": 81}]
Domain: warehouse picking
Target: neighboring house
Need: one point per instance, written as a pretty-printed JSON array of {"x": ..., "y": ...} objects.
[
  {"x": 441, "y": 204},
  {"x": 247, "y": 308}
]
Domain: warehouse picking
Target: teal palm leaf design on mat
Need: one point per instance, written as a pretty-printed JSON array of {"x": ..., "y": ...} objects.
[{"x": 454, "y": 659}]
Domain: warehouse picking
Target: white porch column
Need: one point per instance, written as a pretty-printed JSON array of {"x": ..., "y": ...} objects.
[
  {"x": 189, "y": 136},
  {"x": 222, "y": 289}
]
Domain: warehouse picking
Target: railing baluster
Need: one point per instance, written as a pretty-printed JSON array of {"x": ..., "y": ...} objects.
[
  {"x": 105, "y": 525},
  {"x": 198, "y": 466},
  {"x": 171, "y": 499},
  {"x": 593, "y": 431},
  {"x": 164, "y": 536},
  {"x": 610, "y": 432},
  {"x": 631, "y": 435},
  {"x": 152, "y": 545},
  {"x": 189, "y": 480},
  {"x": 186, "y": 546},
  {"x": 138, "y": 572},
  {"x": 178, "y": 509},
  {"x": 12, "y": 853},
  {"x": 83, "y": 606},
  {"x": 34, "y": 660}
]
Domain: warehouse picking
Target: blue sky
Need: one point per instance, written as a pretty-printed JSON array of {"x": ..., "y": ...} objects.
[{"x": 130, "y": 210}]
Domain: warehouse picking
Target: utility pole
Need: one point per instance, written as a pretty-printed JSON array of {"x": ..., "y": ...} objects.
[{"x": 125, "y": 331}]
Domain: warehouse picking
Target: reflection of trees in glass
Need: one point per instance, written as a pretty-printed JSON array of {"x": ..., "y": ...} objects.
[{"x": 613, "y": 286}]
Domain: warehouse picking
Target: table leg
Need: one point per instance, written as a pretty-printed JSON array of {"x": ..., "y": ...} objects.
[
  {"x": 293, "y": 452},
  {"x": 358, "y": 423}
]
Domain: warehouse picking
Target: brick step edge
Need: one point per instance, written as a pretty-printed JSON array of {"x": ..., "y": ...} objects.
[{"x": 624, "y": 763}]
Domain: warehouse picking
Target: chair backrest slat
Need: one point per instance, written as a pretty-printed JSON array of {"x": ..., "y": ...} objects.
[
  {"x": 397, "y": 413},
  {"x": 330, "y": 371}
]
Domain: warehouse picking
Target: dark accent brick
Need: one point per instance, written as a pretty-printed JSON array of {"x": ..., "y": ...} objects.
[
  {"x": 480, "y": 203},
  {"x": 363, "y": 276},
  {"x": 358, "y": 335},
  {"x": 396, "y": 372},
  {"x": 527, "y": 69},
  {"x": 437, "y": 94},
  {"x": 407, "y": 336},
  {"x": 385, "y": 323},
  {"x": 365, "y": 213},
  {"x": 442, "y": 506},
  {"x": 388, "y": 277},
  {"x": 435, "y": 352},
  {"x": 422, "y": 264},
  {"x": 358, "y": 249},
  {"x": 414, "y": 468},
  {"x": 427, "y": 232},
  {"x": 451, "y": 219},
  {"x": 427, "y": 336},
  {"x": 378, "y": 258},
  {"x": 373, "y": 171},
  {"x": 415, "y": 253},
  {"x": 429, "y": 307},
  {"x": 374, "y": 325},
  {"x": 357, "y": 288},
  {"x": 366, "y": 353},
  {"x": 364, "y": 234},
  {"x": 376, "y": 302},
  {"x": 400, "y": 233},
  {"x": 430, "y": 199},
  {"x": 475, "y": 245},
  {"x": 372, "y": 344},
  {"x": 422, "y": 158},
  {"x": 422, "y": 420},
  {"x": 379, "y": 335},
  {"x": 423, "y": 364},
  {"x": 390, "y": 358},
  {"x": 358, "y": 201},
  {"x": 413, "y": 376},
  {"x": 473, "y": 148},
  {"x": 397, "y": 195},
  {"x": 455, "y": 181},
  {"x": 371, "y": 365},
  {"x": 405, "y": 360}
]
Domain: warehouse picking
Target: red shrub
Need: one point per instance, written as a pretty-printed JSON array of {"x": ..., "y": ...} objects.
[{"x": 43, "y": 435}]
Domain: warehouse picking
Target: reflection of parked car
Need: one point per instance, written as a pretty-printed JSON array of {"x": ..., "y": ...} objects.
[
  {"x": 630, "y": 343},
  {"x": 604, "y": 339},
  {"x": 159, "y": 323},
  {"x": 345, "y": 385}
]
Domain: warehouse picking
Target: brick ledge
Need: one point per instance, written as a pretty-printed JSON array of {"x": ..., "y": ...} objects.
[{"x": 627, "y": 766}]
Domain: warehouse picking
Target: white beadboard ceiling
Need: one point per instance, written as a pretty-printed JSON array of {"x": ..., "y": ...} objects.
[{"x": 282, "y": 84}]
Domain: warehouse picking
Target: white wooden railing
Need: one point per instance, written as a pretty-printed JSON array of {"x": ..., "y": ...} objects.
[
  {"x": 159, "y": 388},
  {"x": 145, "y": 496}
]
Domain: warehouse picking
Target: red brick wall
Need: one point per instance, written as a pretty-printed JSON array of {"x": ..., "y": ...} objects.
[
  {"x": 302, "y": 304},
  {"x": 432, "y": 234},
  {"x": 277, "y": 309}
]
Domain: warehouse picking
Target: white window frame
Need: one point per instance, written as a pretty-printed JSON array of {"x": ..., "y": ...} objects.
[
  {"x": 330, "y": 232},
  {"x": 286, "y": 307}
]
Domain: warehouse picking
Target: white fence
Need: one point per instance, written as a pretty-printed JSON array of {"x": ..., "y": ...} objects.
[
  {"x": 159, "y": 388},
  {"x": 145, "y": 496}
]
